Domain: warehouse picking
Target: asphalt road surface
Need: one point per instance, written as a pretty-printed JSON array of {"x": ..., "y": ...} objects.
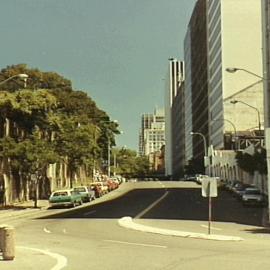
[{"x": 90, "y": 237}]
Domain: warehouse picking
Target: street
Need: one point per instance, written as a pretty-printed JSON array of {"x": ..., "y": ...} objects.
[{"x": 90, "y": 237}]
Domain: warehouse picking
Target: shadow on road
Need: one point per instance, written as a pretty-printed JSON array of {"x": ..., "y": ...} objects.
[
  {"x": 179, "y": 204},
  {"x": 259, "y": 231}
]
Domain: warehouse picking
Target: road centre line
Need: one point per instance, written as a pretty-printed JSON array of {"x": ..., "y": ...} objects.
[
  {"x": 46, "y": 230},
  {"x": 135, "y": 244},
  {"x": 152, "y": 205},
  {"x": 61, "y": 260}
]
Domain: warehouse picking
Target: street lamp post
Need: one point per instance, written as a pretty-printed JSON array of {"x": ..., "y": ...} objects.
[
  {"x": 234, "y": 129},
  {"x": 258, "y": 112},
  {"x": 21, "y": 76},
  {"x": 204, "y": 141},
  {"x": 266, "y": 118},
  {"x": 109, "y": 158},
  {"x": 109, "y": 150},
  {"x": 210, "y": 169},
  {"x": 204, "y": 144},
  {"x": 234, "y": 69}
]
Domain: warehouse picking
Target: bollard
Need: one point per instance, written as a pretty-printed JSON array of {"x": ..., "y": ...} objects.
[
  {"x": 8, "y": 248},
  {"x": 2, "y": 226}
]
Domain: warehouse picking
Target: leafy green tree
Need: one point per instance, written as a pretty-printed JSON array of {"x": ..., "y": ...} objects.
[
  {"x": 252, "y": 163},
  {"x": 50, "y": 122},
  {"x": 75, "y": 143},
  {"x": 129, "y": 164},
  {"x": 30, "y": 156},
  {"x": 142, "y": 166},
  {"x": 36, "y": 80}
]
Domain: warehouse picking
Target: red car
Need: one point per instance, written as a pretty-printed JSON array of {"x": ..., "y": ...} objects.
[{"x": 97, "y": 188}]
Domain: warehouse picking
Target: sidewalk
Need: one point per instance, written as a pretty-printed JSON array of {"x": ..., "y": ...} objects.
[
  {"x": 21, "y": 210},
  {"x": 24, "y": 257}
]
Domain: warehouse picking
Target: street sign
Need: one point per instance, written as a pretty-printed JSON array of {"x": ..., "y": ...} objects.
[
  {"x": 209, "y": 190},
  {"x": 209, "y": 187}
]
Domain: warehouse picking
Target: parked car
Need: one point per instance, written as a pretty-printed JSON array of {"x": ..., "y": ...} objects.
[
  {"x": 86, "y": 193},
  {"x": 104, "y": 187},
  {"x": 230, "y": 184},
  {"x": 191, "y": 178},
  {"x": 239, "y": 189},
  {"x": 96, "y": 187},
  {"x": 112, "y": 185},
  {"x": 66, "y": 197},
  {"x": 253, "y": 196}
]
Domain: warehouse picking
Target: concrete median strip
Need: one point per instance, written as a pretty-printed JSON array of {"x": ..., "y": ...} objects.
[
  {"x": 61, "y": 261},
  {"x": 127, "y": 222}
]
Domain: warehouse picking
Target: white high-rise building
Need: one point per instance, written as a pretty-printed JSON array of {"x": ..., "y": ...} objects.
[
  {"x": 234, "y": 41},
  {"x": 152, "y": 133}
]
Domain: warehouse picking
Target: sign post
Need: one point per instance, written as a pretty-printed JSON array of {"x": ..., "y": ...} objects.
[{"x": 209, "y": 189}]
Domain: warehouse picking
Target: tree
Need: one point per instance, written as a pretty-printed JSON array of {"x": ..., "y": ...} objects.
[
  {"x": 30, "y": 157},
  {"x": 50, "y": 115},
  {"x": 252, "y": 163},
  {"x": 129, "y": 164},
  {"x": 142, "y": 166},
  {"x": 75, "y": 143},
  {"x": 36, "y": 79}
]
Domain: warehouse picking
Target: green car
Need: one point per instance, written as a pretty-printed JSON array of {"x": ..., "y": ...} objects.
[
  {"x": 87, "y": 194},
  {"x": 66, "y": 197}
]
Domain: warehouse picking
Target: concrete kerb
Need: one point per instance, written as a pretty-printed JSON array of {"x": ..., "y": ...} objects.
[{"x": 127, "y": 222}]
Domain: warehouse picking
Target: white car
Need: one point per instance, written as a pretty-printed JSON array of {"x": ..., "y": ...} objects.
[{"x": 252, "y": 196}]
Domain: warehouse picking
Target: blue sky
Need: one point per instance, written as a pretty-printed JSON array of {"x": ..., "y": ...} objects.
[{"x": 115, "y": 50}]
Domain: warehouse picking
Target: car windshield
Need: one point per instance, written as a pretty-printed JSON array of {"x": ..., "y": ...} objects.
[
  {"x": 252, "y": 192},
  {"x": 80, "y": 189}
]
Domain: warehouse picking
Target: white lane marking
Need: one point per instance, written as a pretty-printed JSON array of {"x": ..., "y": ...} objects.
[
  {"x": 214, "y": 228},
  {"x": 46, "y": 230},
  {"x": 152, "y": 205},
  {"x": 61, "y": 260},
  {"x": 89, "y": 213},
  {"x": 134, "y": 244}
]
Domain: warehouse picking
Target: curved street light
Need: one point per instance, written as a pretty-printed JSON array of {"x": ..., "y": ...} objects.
[
  {"x": 108, "y": 146},
  {"x": 257, "y": 110},
  {"x": 234, "y": 129},
  {"x": 234, "y": 70},
  {"x": 204, "y": 141},
  {"x": 21, "y": 76}
]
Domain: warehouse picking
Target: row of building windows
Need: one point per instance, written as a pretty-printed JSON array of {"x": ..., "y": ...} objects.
[
  {"x": 212, "y": 9},
  {"x": 214, "y": 21},
  {"x": 214, "y": 35},
  {"x": 215, "y": 49}
]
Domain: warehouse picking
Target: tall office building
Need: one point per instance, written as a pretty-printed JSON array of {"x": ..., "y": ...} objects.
[
  {"x": 234, "y": 40},
  {"x": 266, "y": 58},
  {"x": 178, "y": 133},
  {"x": 151, "y": 137},
  {"x": 174, "y": 78},
  {"x": 196, "y": 83},
  {"x": 188, "y": 98}
]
